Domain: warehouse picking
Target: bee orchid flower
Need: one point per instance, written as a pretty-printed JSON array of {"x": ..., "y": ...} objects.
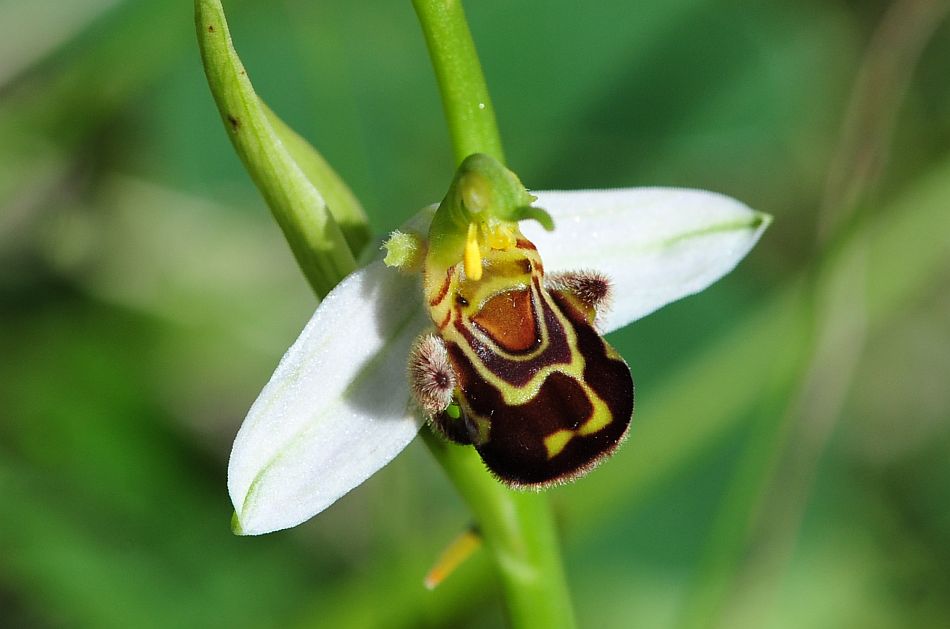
[
  {"x": 490, "y": 329},
  {"x": 339, "y": 405}
]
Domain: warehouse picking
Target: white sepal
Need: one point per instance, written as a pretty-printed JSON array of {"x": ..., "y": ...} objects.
[
  {"x": 337, "y": 407},
  {"x": 656, "y": 245}
]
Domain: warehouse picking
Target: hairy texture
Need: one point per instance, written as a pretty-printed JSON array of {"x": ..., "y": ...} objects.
[
  {"x": 431, "y": 377},
  {"x": 591, "y": 288}
]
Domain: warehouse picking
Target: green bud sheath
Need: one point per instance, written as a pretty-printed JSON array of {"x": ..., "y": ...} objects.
[{"x": 308, "y": 200}]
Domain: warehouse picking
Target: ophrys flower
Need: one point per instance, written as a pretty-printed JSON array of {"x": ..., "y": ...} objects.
[
  {"x": 514, "y": 365},
  {"x": 338, "y": 406}
]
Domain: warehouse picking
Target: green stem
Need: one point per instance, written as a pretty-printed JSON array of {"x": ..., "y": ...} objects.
[
  {"x": 518, "y": 528},
  {"x": 519, "y": 532},
  {"x": 468, "y": 109}
]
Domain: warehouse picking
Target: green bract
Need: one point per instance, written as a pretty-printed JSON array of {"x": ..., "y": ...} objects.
[{"x": 318, "y": 214}]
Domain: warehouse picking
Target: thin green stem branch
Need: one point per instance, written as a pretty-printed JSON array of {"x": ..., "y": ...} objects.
[
  {"x": 468, "y": 109},
  {"x": 518, "y": 528}
]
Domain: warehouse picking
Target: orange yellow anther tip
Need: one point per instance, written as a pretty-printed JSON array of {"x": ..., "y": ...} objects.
[{"x": 473, "y": 256}]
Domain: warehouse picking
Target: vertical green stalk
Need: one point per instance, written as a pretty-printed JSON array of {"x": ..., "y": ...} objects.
[
  {"x": 519, "y": 532},
  {"x": 468, "y": 109},
  {"x": 518, "y": 528}
]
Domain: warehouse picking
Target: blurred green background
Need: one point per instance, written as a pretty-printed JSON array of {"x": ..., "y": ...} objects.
[{"x": 789, "y": 464}]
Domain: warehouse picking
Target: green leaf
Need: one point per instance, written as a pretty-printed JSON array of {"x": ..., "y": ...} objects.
[{"x": 285, "y": 169}]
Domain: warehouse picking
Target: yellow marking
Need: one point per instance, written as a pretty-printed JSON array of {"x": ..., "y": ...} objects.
[
  {"x": 513, "y": 395},
  {"x": 473, "y": 257},
  {"x": 556, "y": 442},
  {"x": 452, "y": 557},
  {"x": 599, "y": 419}
]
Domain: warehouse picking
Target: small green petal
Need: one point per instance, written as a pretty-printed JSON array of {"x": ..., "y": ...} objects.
[
  {"x": 535, "y": 214},
  {"x": 404, "y": 251}
]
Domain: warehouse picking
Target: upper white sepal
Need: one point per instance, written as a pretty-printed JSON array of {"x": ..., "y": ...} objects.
[
  {"x": 337, "y": 407},
  {"x": 656, "y": 245}
]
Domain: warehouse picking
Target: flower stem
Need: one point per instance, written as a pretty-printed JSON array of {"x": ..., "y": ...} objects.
[
  {"x": 518, "y": 530},
  {"x": 518, "y": 527},
  {"x": 468, "y": 109}
]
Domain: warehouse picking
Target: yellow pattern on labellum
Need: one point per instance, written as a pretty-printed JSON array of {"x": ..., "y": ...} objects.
[{"x": 555, "y": 443}]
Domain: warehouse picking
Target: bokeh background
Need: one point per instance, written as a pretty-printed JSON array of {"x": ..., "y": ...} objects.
[{"x": 789, "y": 464}]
